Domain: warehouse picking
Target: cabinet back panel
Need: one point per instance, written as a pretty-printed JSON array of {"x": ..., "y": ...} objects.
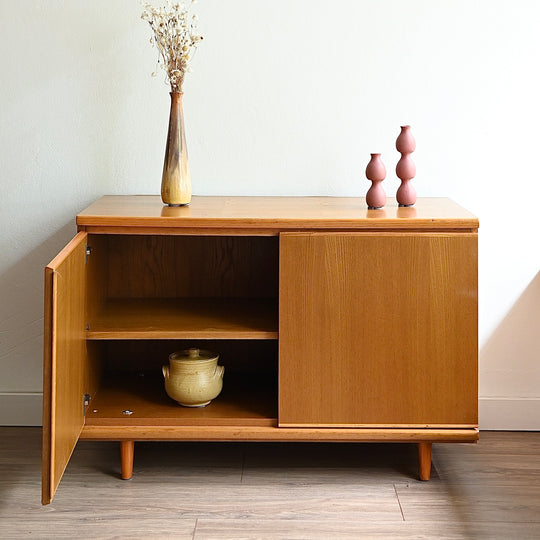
[
  {"x": 246, "y": 356},
  {"x": 193, "y": 267}
]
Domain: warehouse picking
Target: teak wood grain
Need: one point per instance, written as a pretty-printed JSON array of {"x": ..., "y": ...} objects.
[
  {"x": 181, "y": 318},
  {"x": 66, "y": 366},
  {"x": 267, "y": 433},
  {"x": 277, "y": 213},
  {"x": 373, "y": 313},
  {"x": 191, "y": 266},
  {"x": 378, "y": 329},
  {"x": 244, "y": 401}
]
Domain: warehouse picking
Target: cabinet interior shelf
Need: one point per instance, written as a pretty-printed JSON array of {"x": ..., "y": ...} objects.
[
  {"x": 244, "y": 401},
  {"x": 185, "y": 318}
]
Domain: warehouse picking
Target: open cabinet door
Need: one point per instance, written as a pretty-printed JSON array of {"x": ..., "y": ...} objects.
[{"x": 65, "y": 365}]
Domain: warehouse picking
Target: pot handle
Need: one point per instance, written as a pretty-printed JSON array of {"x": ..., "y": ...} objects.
[
  {"x": 165, "y": 370},
  {"x": 219, "y": 371}
]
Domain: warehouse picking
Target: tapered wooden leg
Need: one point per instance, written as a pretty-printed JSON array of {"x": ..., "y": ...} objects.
[
  {"x": 424, "y": 460},
  {"x": 126, "y": 458}
]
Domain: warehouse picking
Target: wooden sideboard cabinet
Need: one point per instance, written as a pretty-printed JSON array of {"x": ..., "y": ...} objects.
[{"x": 333, "y": 322}]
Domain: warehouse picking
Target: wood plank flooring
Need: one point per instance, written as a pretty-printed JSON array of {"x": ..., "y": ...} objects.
[{"x": 275, "y": 491}]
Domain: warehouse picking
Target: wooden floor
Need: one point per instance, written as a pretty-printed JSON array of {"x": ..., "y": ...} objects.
[{"x": 276, "y": 491}]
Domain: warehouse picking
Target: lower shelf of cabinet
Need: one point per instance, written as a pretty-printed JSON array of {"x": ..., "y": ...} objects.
[
  {"x": 246, "y": 410},
  {"x": 125, "y": 401}
]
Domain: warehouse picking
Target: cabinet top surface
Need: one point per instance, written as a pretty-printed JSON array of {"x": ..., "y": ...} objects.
[{"x": 276, "y": 213}]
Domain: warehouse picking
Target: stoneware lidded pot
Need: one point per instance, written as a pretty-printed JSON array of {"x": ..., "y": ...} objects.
[{"x": 193, "y": 378}]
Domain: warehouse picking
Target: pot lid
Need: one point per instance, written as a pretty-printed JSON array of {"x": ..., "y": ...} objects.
[{"x": 194, "y": 354}]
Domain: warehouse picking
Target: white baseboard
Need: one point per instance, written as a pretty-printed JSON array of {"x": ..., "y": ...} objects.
[
  {"x": 509, "y": 414},
  {"x": 496, "y": 413},
  {"x": 21, "y": 409}
]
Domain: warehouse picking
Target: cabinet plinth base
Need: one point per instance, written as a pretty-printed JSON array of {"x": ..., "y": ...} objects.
[{"x": 274, "y": 434}]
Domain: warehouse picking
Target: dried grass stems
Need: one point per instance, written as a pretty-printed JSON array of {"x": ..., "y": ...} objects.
[{"x": 176, "y": 38}]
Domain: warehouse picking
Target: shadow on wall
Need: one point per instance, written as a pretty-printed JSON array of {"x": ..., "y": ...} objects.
[
  {"x": 510, "y": 367},
  {"x": 21, "y": 316}
]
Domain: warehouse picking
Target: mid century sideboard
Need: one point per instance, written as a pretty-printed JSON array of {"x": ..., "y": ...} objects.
[{"x": 333, "y": 322}]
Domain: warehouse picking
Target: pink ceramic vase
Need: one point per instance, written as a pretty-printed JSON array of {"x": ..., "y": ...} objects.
[
  {"x": 405, "y": 143},
  {"x": 406, "y": 194},
  {"x": 406, "y": 169},
  {"x": 376, "y": 172}
]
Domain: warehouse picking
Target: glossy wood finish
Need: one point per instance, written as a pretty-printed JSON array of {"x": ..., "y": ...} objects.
[
  {"x": 275, "y": 213},
  {"x": 193, "y": 318},
  {"x": 65, "y": 361},
  {"x": 262, "y": 433},
  {"x": 394, "y": 288},
  {"x": 424, "y": 460},
  {"x": 378, "y": 329},
  {"x": 127, "y": 449}
]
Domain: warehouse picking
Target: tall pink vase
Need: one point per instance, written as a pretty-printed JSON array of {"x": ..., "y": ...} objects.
[
  {"x": 376, "y": 172},
  {"x": 406, "y": 169}
]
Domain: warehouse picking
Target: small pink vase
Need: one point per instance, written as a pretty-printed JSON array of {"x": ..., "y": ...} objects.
[
  {"x": 406, "y": 169},
  {"x": 405, "y": 143},
  {"x": 376, "y": 172},
  {"x": 406, "y": 194}
]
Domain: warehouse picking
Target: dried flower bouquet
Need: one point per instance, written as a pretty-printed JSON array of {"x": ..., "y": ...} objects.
[{"x": 176, "y": 38}]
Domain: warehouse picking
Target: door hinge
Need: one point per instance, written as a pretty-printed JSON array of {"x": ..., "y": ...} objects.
[
  {"x": 86, "y": 402},
  {"x": 87, "y": 251}
]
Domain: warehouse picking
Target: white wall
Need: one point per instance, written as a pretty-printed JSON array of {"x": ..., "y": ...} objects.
[{"x": 288, "y": 97}]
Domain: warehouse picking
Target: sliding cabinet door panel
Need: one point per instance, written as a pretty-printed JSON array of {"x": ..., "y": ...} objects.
[{"x": 378, "y": 329}]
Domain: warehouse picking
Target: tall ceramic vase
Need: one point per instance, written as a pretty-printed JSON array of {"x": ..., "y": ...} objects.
[
  {"x": 176, "y": 179},
  {"x": 376, "y": 172},
  {"x": 406, "y": 169}
]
